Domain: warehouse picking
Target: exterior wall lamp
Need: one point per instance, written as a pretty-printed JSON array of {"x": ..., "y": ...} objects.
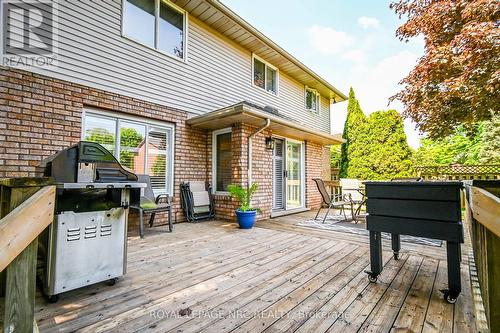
[{"x": 269, "y": 143}]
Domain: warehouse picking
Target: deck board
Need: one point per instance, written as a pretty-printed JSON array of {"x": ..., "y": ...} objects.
[
  {"x": 178, "y": 264},
  {"x": 306, "y": 266},
  {"x": 278, "y": 301},
  {"x": 375, "y": 309},
  {"x": 142, "y": 288},
  {"x": 357, "y": 293},
  {"x": 310, "y": 305},
  {"x": 439, "y": 317},
  {"x": 412, "y": 314},
  {"x": 276, "y": 277},
  {"x": 212, "y": 288}
]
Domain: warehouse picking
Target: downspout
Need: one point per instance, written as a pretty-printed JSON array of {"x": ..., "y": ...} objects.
[{"x": 249, "y": 157}]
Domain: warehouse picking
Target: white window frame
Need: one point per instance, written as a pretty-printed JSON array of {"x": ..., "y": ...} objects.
[
  {"x": 157, "y": 17},
  {"x": 214, "y": 158},
  {"x": 266, "y": 64},
  {"x": 169, "y": 177},
  {"x": 318, "y": 99}
]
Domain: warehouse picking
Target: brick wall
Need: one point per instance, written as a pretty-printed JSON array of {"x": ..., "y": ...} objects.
[
  {"x": 262, "y": 168},
  {"x": 326, "y": 172},
  {"x": 314, "y": 169},
  {"x": 261, "y": 173},
  {"x": 40, "y": 116},
  {"x": 317, "y": 159}
]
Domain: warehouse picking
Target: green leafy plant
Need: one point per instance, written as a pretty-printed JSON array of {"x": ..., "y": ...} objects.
[
  {"x": 455, "y": 82},
  {"x": 244, "y": 196},
  {"x": 354, "y": 132},
  {"x": 376, "y": 147}
]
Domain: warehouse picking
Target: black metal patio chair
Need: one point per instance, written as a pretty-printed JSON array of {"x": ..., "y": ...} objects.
[
  {"x": 151, "y": 204},
  {"x": 330, "y": 202}
]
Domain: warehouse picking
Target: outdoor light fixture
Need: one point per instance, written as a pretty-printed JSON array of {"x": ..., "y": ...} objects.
[{"x": 269, "y": 143}]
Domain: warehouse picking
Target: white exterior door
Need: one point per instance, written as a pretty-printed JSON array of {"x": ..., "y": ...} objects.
[
  {"x": 294, "y": 175},
  {"x": 288, "y": 174}
]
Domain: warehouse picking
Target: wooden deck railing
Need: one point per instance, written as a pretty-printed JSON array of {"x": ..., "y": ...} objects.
[
  {"x": 483, "y": 216},
  {"x": 26, "y": 209}
]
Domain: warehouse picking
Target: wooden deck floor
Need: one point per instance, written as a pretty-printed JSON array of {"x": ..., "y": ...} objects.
[{"x": 212, "y": 277}]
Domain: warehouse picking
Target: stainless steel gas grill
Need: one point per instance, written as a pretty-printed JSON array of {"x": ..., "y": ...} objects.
[{"x": 87, "y": 242}]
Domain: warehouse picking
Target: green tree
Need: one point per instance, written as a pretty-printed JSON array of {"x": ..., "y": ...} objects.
[
  {"x": 462, "y": 147},
  {"x": 457, "y": 80},
  {"x": 335, "y": 156},
  {"x": 353, "y": 128},
  {"x": 101, "y": 136},
  {"x": 381, "y": 151},
  {"x": 130, "y": 139},
  {"x": 432, "y": 152},
  {"x": 489, "y": 152}
]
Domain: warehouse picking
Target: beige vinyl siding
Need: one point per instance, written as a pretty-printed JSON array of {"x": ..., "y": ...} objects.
[{"x": 216, "y": 73}]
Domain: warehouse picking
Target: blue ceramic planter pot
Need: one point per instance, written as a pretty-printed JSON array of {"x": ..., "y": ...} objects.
[{"x": 246, "y": 220}]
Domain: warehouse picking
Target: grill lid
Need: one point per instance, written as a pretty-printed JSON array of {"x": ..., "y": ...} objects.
[{"x": 63, "y": 167}]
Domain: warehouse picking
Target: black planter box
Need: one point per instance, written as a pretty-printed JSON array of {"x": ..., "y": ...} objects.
[{"x": 421, "y": 209}]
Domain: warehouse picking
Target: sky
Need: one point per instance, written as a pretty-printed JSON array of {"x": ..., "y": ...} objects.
[{"x": 349, "y": 43}]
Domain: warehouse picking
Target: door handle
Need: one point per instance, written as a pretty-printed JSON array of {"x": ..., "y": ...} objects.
[{"x": 285, "y": 173}]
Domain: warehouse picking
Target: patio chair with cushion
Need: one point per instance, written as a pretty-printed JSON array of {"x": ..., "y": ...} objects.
[
  {"x": 151, "y": 204},
  {"x": 197, "y": 201},
  {"x": 330, "y": 202}
]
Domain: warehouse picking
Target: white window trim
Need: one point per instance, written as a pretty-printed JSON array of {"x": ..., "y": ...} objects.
[
  {"x": 214, "y": 158},
  {"x": 267, "y": 64},
  {"x": 157, "y": 13},
  {"x": 140, "y": 121},
  {"x": 318, "y": 99}
]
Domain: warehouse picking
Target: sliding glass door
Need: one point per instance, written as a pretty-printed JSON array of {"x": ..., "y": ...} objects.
[
  {"x": 288, "y": 174},
  {"x": 294, "y": 180}
]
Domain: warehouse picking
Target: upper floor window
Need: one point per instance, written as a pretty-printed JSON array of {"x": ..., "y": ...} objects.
[
  {"x": 141, "y": 146},
  {"x": 312, "y": 100},
  {"x": 265, "y": 76},
  {"x": 156, "y": 24}
]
